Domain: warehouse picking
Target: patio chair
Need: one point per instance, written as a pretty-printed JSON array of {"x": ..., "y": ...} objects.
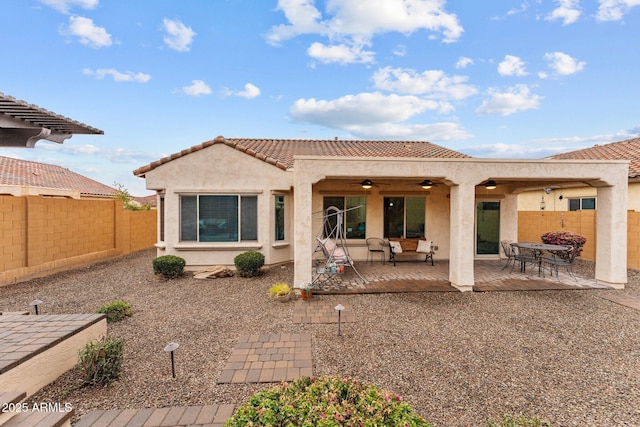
[
  {"x": 375, "y": 246},
  {"x": 508, "y": 252},
  {"x": 561, "y": 259},
  {"x": 526, "y": 256}
]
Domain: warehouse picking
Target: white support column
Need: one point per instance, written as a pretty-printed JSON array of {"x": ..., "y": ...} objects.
[
  {"x": 611, "y": 232},
  {"x": 461, "y": 256},
  {"x": 302, "y": 230},
  {"x": 509, "y": 218}
]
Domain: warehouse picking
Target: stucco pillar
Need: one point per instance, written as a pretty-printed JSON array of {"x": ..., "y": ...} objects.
[
  {"x": 462, "y": 227},
  {"x": 509, "y": 218},
  {"x": 611, "y": 232},
  {"x": 302, "y": 230}
]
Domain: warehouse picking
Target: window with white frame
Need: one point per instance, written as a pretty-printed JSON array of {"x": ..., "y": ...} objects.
[
  {"x": 218, "y": 218},
  {"x": 355, "y": 217},
  {"x": 404, "y": 217},
  {"x": 582, "y": 203}
]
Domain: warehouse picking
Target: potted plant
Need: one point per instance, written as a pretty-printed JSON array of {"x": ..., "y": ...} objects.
[
  {"x": 305, "y": 291},
  {"x": 281, "y": 291}
]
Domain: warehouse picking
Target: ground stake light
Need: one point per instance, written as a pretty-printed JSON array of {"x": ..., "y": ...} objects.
[
  {"x": 170, "y": 348},
  {"x": 339, "y": 307},
  {"x": 35, "y": 303}
]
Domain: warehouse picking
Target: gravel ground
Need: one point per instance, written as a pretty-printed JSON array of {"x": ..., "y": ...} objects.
[{"x": 460, "y": 359}]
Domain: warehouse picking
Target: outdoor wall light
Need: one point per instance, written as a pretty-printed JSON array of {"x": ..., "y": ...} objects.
[
  {"x": 339, "y": 307},
  {"x": 490, "y": 185},
  {"x": 170, "y": 348},
  {"x": 426, "y": 184},
  {"x": 366, "y": 184},
  {"x": 35, "y": 303}
]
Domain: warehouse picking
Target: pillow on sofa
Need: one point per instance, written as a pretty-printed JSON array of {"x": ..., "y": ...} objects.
[{"x": 424, "y": 246}]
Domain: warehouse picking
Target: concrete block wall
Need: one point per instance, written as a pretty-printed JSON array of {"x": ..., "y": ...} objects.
[{"x": 42, "y": 235}]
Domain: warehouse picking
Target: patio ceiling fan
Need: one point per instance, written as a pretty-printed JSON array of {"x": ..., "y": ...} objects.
[
  {"x": 367, "y": 183},
  {"x": 425, "y": 184}
]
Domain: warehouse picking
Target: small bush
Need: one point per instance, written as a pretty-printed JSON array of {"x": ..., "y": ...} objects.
[
  {"x": 116, "y": 310},
  {"x": 565, "y": 238},
  {"x": 248, "y": 263},
  {"x": 325, "y": 401},
  {"x": 521, "y": 421},
  {"x": 169, "y": 266},
  {"x": 101, "y": 361},
  {"x": 279, "y": 289}
]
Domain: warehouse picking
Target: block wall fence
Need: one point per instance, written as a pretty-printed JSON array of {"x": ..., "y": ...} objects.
[{"x": 43, "y": 235}]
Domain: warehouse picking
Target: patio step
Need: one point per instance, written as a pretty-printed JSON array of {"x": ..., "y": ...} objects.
[
  {"x": 40, "y": 419},
  {"x": 8, "y": 402}
]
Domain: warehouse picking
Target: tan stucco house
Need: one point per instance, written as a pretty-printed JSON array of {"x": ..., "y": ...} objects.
[
  {"x": 229, "y": 195},
  {"x": 584, "y": 197}
]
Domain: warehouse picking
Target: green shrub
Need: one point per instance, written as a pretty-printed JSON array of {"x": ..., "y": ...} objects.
[
  {"x": 521, "y": 421},
  {"x": 325, "y": 401},
  {"x": 248, "y": 263},
  {"x": 565, "y": 238},
  {"x": 101, "y": 361},
  {"x": 169, "y": 266},
  {"x": 116, "y": 310}
]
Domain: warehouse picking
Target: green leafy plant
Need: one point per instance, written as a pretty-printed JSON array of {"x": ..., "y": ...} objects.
[
  {"x": 116, "y": 310},
  {"x": 122, "y": 194},
  {"x": 101, "y": 361},
  {"x": 565, "y": 238},
  {"x": 325, "y": 401},
  {"x": 248, "y": 263},
  {"x": 169, "y": 266},
  {"x": 521, "y": 421},
  {"x": 279, "y": 289}
]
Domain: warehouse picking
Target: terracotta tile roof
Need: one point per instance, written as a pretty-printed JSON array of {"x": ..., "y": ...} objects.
[
  {"x": 623, "y": 150},
  {"x": 280, "y": 152},
  {"x": 33, "y": 174}
]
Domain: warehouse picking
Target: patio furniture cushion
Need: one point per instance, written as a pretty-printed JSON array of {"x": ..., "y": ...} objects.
[
  {"x": 424, "y": 246},
  {"x": 396, "y": 247}
]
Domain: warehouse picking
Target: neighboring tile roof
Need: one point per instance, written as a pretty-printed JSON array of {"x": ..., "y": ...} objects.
[
  {"x": 623, "y": 150},
  {"x": 280, "y": 152},
  {"x": 33, "y": 174}
]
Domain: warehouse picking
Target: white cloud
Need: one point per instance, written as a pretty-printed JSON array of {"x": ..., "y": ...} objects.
[
  {"x": 464, "y": 62},
  {"x": 363, "y": 109},
  {"x": 117, "y": 76},
  {"x": 568, "y": 11},
  {"x": 178, "y": 36},
  {"x": 515, "y": 99},
  {"x": 197, "y": 88},
  {"x": 512, "y": 66},
  {"x": 340, "y": 53},
  {"x": 434, "y": 132},
  {"x": 354, "y": 23},
  {"x": 433, "y": 84},
  {"x": 65, "y": 5},
  {"x": 400, "y": 50},
  {"x": 250, "y": 91},
  {"x": 614, "y": 10},
  {"x": 563, "y": 64},
  {"x": 89, "y": 33}
]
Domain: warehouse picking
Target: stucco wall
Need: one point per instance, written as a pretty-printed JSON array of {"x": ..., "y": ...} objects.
[
  {"x": 219, "y": 169},
  {"x": 530, "y": 200}
]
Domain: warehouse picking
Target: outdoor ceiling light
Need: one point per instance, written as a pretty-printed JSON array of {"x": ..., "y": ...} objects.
[
  {"x": 426, "y": 184},
  {"x": 366, "y": 184},
  {"x": 490, "y": 185}
]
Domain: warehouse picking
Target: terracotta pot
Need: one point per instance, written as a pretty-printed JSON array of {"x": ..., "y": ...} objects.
[{"x": 305, "y": 294}]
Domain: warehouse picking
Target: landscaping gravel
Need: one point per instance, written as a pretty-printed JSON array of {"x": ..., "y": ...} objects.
[{"x": 460, "y": 359}]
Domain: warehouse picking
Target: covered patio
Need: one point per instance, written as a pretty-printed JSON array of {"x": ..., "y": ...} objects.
[{"x": 417, "y": 276}]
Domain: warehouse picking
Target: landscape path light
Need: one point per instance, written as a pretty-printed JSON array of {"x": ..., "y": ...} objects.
[
  {"x": 339, "y": 307},
  {"x": 170, "y": 348},
  {"x": 35, "y": 303}
]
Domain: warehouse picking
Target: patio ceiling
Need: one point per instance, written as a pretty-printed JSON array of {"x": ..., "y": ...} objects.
[{"x": 23, "y": 124}]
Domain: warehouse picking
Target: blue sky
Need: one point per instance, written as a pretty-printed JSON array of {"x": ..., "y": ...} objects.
[{"x": 499, "y": 79}]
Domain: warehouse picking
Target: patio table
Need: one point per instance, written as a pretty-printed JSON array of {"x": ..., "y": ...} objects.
[{"x": 538, "y": 248}]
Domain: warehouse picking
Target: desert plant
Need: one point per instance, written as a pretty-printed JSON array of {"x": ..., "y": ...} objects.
[
  {"x": 248, "y": 263},
  {"x": 279, "y": 289},
  {"x": 101, "y": 361},
  {"x": 521, "y": 421},
  {"x": 325, "y": 401},
  {"x": 565, "y": 238},
  {"x": 169, "y": 266},
  {"x": 116, "y": 310}
]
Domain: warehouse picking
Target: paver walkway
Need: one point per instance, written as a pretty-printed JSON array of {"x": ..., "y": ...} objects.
[
  {"x": 631, "y": 301},
  {"x": 319, "y": 311},
  {"x": 201, "y": 416},
  {"x": 269, "y": 358}
]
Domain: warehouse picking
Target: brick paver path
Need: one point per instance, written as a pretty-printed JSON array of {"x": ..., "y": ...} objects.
[
  {"x": 207, "y": 415},
  {"x": 269, "y": 358},
  {"x": 318, "y": 311},
  {"x": 632, "y": 301}
]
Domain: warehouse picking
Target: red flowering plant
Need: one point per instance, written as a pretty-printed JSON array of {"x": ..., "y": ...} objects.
[{"x": 566, "y": 238}]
